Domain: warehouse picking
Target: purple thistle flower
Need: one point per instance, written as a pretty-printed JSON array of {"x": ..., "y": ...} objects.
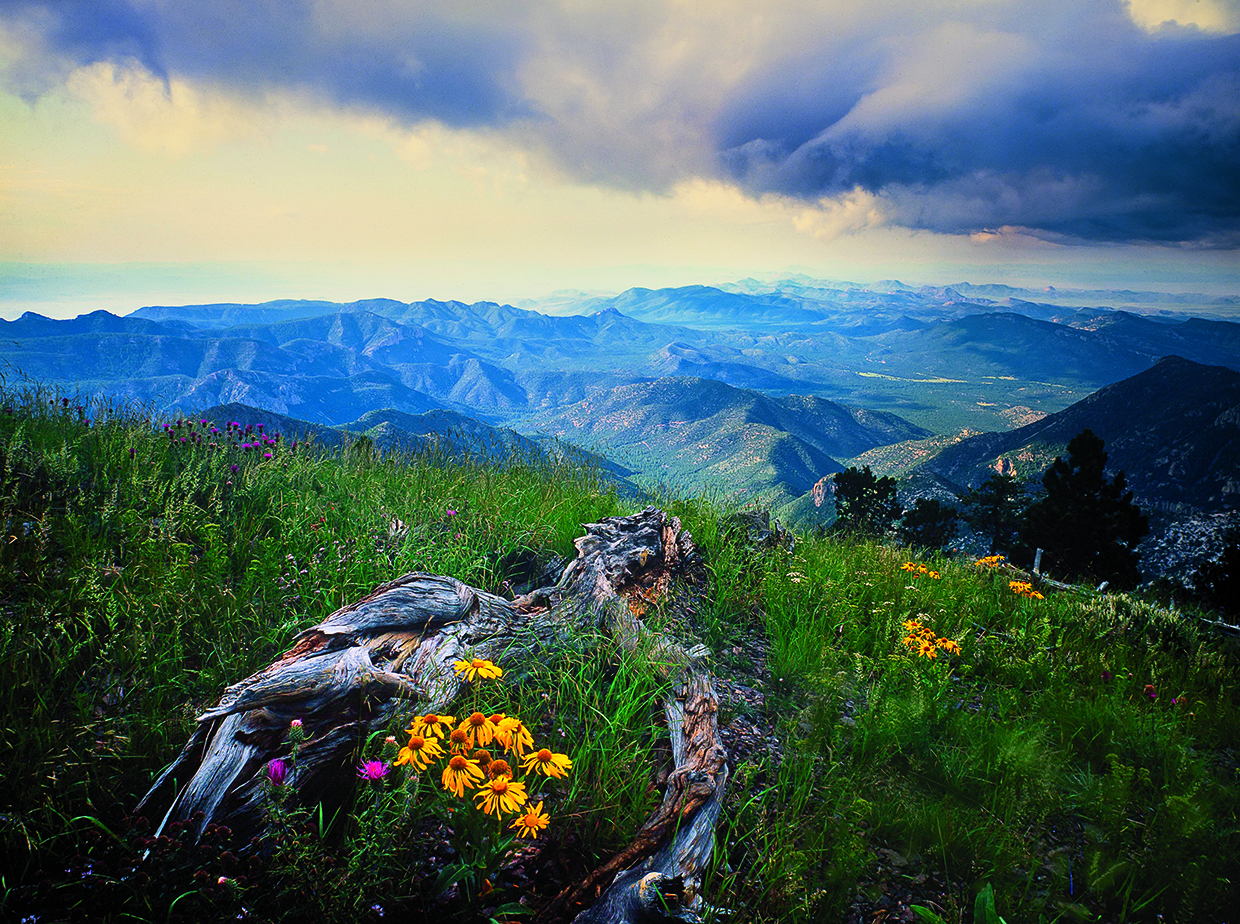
[
  {"x": 233, "y": 467},
  {"x": 277, "y": 771},
  {"x": 266, "y": 455},
  {"x": 373, "y": 770},
  {"x": 260, "y": 427},
  {"x": 203, "y": 422}
]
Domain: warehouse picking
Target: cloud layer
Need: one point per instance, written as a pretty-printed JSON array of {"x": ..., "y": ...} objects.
[{"x": 1068, "y": 119}]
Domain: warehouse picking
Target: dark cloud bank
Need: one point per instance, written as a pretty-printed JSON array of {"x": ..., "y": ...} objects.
[{"x": 1100, "y": 132}]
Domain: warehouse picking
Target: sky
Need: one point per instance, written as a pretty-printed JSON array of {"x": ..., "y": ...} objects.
[{"x": 165, "y": 152}]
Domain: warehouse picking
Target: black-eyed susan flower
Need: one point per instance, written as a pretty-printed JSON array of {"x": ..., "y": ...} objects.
[
  {"x": 431, "y": 725},
  {"x": 460, "y": 774},
  {"x": 548, "y": 764},
  {"x": 500, "y": 795},
  {"x": 420, "y": 752},
  {"x": 529, "y": 823},
  {"x": 474, "y": 668},
  {"x": 949, "y": 646},
  {"x": 927, "y": 649},
  {"x": 1024, "y": 589},
  {"x": 459, "y": 742},
  {"x": 478, "y": 728},
  {"x": 514, "y": 736}
]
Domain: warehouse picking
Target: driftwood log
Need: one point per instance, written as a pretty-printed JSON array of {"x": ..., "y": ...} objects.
[{"x": 345, "y": 678}]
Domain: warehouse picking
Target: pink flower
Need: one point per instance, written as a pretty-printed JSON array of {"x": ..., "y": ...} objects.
[
  {"x": 373, "y": 770},
  {"x": 277, "y": 771},
  {"x": 296, "y": 723}
]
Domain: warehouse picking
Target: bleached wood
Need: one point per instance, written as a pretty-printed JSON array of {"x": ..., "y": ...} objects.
[{"x": 394, "y": 648}]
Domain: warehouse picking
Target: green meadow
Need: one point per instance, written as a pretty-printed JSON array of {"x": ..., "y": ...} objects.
[{"x": 936, "y": 744}]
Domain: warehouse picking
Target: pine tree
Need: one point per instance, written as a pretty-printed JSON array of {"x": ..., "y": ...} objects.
[
  {"x": 1086, "y": 525},
  {"x": 929, "y": 524},
  {"x": 864, "y": 503},
  {"x": 1217, "y": 582},
  {"x": 995, "y": 509}
]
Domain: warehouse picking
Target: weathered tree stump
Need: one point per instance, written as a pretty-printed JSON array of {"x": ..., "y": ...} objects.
[{"x": 345, "y": 677}]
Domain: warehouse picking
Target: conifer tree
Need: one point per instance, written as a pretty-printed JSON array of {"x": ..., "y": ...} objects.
[
  {"x": 1217, "y": 582},
  {"x": 864, "y": 503},
  {"x": 995, "y": 508},
  {"x": 1086, "y": 524},
  {"x": 929, "y": 524}
]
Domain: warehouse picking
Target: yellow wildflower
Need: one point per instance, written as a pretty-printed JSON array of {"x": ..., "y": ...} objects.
[
  {"x": 474, "y": 668},
  {"x": 927, "y": 649},
  {"x": 949, "y": 646},
  {"x": 513, "y": 735},
  {"x": 908, "y": 566},
  {"x": 911, "y": 625},
  {"x": 547, "y": 763},
  {"x": 431, "y": 725},
  {"x": 1025, "y": 589},
  {"x": 419, "y": 752},
  {"x": 499, "y": 767},
  {"x": 530, "y": 823},
  {"x": 500, "y": 794},
  {"x": 460, "y": 774},
  {"x": 478, "y": 727},
  {"x": 459, "y": 741}
]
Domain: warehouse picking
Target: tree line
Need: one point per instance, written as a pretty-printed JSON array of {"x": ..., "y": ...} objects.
[{"x": 1086, "y": 523}]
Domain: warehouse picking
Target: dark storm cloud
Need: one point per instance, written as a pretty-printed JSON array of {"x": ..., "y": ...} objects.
[
  {"x": 412, "y": 68},
  {"x": 1061, "y": 117},
  {"x": 1114, "y": 137}
]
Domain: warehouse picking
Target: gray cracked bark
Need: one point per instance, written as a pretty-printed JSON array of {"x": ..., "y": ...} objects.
[{"x": 394, "y": 648}]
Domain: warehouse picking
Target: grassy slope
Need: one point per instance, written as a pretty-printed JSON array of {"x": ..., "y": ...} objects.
[{"x": 140, "y": 575}]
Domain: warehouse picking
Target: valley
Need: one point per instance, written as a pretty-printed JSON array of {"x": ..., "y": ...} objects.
[{"x": 754, "y": 392}]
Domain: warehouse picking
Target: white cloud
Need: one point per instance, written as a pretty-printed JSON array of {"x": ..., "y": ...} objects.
[
  {"x": 1220, "y": 16},
  {"x": 847, "y": 214},
  {"x": 174, "y": 119}
]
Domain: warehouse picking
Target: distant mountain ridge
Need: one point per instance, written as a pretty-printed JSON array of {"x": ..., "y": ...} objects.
[
  {"x": 388, "y": 430},
  {"x": 702, "y": 434},
  {"x": 1174, "y": 430},
  {"x": 920, "y": 361}
]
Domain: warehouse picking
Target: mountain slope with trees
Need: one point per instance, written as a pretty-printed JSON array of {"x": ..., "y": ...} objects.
[{"x": 1174, "y": 429}]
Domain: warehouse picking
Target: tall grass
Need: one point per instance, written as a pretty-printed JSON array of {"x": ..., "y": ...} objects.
[
  {"x": 140, "y": 574},
  {"x": 1078, "y": 755}
]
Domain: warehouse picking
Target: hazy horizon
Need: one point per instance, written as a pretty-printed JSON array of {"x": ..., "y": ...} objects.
[{"x": 163, "y": 153}]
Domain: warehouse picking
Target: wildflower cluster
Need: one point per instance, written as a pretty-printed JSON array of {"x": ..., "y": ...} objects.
[
  {"x": 491, "y": 755},
  {"x": 234, "y": 438},
  {"x": 989, "y": 561},
  {"x": 1024, "y": 589},
  {"x": 918, "y": 570},
  {"x": 926, "y": 642}
]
